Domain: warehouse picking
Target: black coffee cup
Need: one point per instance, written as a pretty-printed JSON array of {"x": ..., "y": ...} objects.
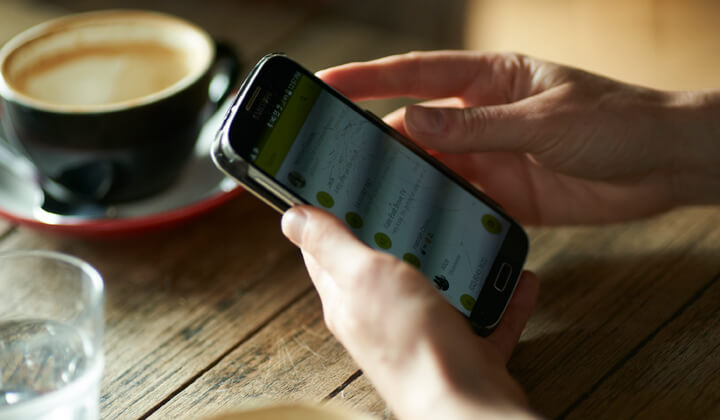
[{"x": 109, "y": 104}]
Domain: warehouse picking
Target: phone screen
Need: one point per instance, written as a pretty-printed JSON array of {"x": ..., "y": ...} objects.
[{"x": 334, "y": 157}]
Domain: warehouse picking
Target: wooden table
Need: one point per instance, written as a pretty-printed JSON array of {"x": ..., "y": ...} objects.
[{"x": 220, "y": 313}]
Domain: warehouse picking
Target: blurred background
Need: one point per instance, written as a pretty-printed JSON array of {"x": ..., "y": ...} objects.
[{"x": 670, "y": 44}]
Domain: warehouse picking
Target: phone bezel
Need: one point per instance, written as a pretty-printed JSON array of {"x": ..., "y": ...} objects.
[{"x": 490, "y": 303}]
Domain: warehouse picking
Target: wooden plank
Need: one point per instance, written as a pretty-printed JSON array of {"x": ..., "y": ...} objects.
[
  {"x": 177, "y": 301},
  {"x": 293, "y": 358},
  {"x": 675, "y": 374},
  {"x": 604, "y": 290}
]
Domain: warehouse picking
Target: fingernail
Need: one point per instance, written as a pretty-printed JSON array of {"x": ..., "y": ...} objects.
[
  {"x": 422, "y": 119},
  {"x": 293, "y": 224}
]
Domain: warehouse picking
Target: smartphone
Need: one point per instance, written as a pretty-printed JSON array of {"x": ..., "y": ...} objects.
[{"x": 289, "y": 138}]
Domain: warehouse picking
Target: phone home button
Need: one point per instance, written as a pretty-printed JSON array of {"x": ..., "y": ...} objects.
[{"x": 503, "y": 276}]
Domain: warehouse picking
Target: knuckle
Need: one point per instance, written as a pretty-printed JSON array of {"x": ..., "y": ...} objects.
[
  {"x": 414, "y": 55},
  {"x": 414, "y": 60},
  {"x": 388, "y": 276},
  {"x": 513, "y": 57},
  {"x": 475, "y": 120},
  {"x": 371, "y": 263},
  {"x": 379, "y": 265}
]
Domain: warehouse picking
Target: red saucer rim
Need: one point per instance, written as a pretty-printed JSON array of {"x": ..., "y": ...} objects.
[{"x": 129, "y": 225}]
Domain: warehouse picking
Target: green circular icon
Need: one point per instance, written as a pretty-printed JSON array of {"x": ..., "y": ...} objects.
[
  {"x": 383, "y": 241},
  {"x": 491, "y": 223},
  {"x": 412, "y": 259},
  {"x": 325, "y": 199},
  {"x": 354, "y": 220},
  {"x": 467, "y": 302}
]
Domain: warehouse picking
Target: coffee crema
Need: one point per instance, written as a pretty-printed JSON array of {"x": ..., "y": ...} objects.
[{"x": 103, "y": 74}]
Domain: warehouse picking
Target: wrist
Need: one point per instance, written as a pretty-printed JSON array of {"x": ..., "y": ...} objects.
[
  {"x": 447, "y": 377},
  {"x": 432, "y": 391},
  {"x": 696, "y": 136}
]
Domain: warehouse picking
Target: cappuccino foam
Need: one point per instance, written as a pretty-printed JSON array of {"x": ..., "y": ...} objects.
[{"x": 103, "y": 74}]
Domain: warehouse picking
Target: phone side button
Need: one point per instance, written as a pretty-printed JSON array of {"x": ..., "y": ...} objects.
[{"x": 502, "y": 278}]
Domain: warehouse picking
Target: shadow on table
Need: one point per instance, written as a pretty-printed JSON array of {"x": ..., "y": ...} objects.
[{"x": 598, "y": 318}]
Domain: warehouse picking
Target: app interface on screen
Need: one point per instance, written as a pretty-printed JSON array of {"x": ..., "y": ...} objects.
[{"x": 393, "y": 200}]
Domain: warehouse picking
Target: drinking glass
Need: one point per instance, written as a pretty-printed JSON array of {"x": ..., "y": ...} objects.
[{"x": 51, "y": 331}]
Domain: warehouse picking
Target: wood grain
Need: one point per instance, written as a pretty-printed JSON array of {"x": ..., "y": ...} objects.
[
  {"x": 604, "y": 291},
  {"x": 177, "y": 301},
  {"x": 676, "y": 372},
  {"x": 294, "y": 357}
]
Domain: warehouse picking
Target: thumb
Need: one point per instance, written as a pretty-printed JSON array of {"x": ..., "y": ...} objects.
[
  {"x": 512, "y": 127},
  {"x": 326, "y": 238}
]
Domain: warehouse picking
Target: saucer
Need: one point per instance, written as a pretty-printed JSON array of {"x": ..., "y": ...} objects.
[{"x": 200, "y": 188}]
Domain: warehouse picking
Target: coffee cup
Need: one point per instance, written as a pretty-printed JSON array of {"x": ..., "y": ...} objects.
[{"x": 109, "y": 104}]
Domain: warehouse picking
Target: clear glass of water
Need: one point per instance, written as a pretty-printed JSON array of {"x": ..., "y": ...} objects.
[{"x": 51, "y": 331}]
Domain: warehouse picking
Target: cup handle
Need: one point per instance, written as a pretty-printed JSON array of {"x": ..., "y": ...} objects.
[{"x": 225, "y": 73}]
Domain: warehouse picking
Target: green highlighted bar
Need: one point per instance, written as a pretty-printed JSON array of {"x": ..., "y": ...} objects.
[{"x": 276, "y": 142}]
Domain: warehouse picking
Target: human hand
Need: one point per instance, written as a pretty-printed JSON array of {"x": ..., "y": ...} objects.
[
  {"x": 418, "y": 351},
  {"x": 550, "y": 143}
]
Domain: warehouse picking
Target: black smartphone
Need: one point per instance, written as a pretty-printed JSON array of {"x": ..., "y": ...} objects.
[{"x": 289, "y": 138}]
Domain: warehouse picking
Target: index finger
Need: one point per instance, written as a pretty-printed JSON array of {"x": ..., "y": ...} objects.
[{"x": 427, "y": 75}]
